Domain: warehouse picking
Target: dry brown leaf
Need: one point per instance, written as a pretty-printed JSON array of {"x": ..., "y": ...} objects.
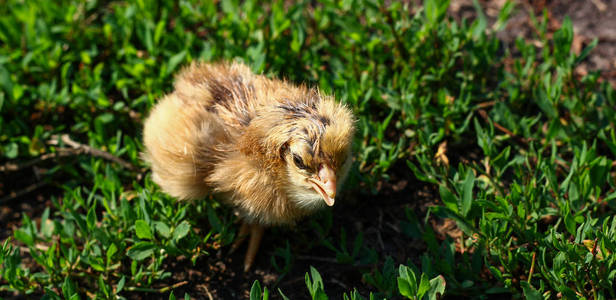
[{"x": 441, "y": 154}]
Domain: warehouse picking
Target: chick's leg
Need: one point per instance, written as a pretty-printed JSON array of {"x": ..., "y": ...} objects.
[
  {"x": 241, "y": 237},
  {"x": 256, "y": 234}
]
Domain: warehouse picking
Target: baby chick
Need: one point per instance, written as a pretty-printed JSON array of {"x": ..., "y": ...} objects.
[{"x": 272, "y": 150}]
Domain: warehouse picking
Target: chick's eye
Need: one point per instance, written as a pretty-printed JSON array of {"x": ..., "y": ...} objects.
[{"x": 297, "y": 160}]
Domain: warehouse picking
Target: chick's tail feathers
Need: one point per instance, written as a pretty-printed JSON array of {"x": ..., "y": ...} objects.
[{"x": 181, "y": 142}]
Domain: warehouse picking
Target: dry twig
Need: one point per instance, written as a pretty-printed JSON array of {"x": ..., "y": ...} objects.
[
  {"x": 62, "y": 152},
  {"x": 74, "y": 150},
  {"x": 517, "y": 138},
  {"x": 207, "y": 291},
  {"x": 532, "y": 267},
  {"x": 85, "y": 149}
]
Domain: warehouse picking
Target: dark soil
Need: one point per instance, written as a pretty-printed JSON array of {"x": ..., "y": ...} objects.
[{"x": 32, "y": 203}]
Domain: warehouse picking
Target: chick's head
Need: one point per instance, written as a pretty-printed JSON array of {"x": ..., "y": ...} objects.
[{"x": 317, "y": 150}]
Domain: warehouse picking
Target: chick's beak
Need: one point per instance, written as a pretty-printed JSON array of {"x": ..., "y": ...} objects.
[{"x": 325, "y": 184}]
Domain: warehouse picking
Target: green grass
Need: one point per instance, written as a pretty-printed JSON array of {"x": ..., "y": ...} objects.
[{"x": 527, "y": 171}]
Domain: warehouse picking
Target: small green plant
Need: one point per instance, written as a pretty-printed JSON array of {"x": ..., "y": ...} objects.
[
  {"x": 257, "y": 294},
  {"x": 315, "y": 285},
  {"x": 412, "y": 288},
  {"x": 384, "y": 281}
]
